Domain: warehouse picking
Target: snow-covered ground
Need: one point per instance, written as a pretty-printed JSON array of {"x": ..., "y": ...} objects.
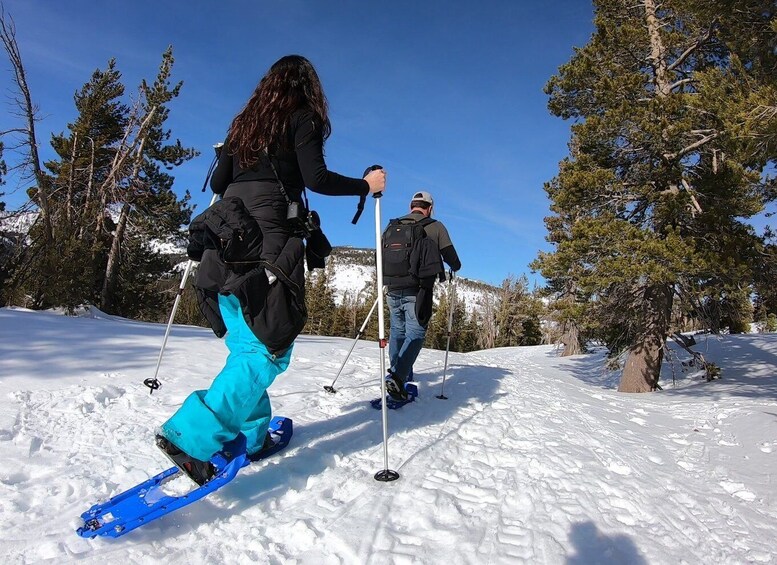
[{"x": 531, "y": 459}]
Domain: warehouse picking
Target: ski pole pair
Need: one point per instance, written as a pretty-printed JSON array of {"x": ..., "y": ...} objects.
[{"x": 360, "y": 333}]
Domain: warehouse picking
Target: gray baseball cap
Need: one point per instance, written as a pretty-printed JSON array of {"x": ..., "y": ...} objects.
[{"x": 423, "y": 196}]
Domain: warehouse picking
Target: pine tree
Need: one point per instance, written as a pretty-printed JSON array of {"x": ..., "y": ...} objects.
[
  {"x": 109, "y": 166},
  {"x": 656, "y": 185},
  {"x": 65, "y": 269},
  {"x": 87, "y": 152},
  {"x": 140, "y": 189},
  {"x": 531, "y": 325},
  {"x": 74, "y": 262}
]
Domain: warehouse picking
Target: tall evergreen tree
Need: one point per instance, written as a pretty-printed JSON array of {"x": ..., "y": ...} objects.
[
  {"x": 653, "y": 196},
  {"x": 531, "y": 325},
  {"x": 569, "y": 302},
  {"x": 108, "y": 195},
  {"x": 74, "y": 261},
  {"x": 437, "y": 330},
  {"x": 65, "y": 269},
  {"x": 138, "y": 186}
]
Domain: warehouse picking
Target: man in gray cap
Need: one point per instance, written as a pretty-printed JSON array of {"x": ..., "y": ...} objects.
[{"x": 411, "y": 264}]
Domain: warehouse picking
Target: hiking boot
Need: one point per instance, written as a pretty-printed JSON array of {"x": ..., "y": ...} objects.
[
  {"x": 395, "y": 387},
  {"x": 269, "y": 443},
  {"x": 198, "y": 471}
]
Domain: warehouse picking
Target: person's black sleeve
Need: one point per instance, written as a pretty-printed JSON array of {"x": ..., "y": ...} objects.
[
  {"x": 451, "y": 258},
  {"x": 222, "y": 175},
  {"x": 309, "y": 145}
]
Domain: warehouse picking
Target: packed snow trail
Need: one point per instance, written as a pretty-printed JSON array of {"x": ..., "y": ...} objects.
[{"x": 532, "y": 459}]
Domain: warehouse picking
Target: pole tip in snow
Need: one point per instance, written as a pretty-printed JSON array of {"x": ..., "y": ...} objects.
[
  {"x": 386, "y": 476},
  {"x": 442, "y": 397},
  {"x": 330, "y": 389},
  {"x": 153, "y": 384}
]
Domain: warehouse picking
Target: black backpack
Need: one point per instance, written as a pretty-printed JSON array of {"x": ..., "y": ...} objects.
[{"x": 410, "y": 257}]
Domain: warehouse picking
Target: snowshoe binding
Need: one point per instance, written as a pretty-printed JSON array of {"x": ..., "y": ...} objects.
[
  {"x": 395, "y": 388},
  {"x": 198, "y": 471}
]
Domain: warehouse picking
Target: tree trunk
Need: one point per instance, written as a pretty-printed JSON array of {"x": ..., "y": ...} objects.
[
  {"x": 570, "y": 331},
  {"x": 88, "y": 197},
  {"x": 657, "y": 51},
  {"x": 112, "y": 269},
  {"x": 570, "y": 338},
  {"x": 643, "y": 365},
  {"x": 71, "y": 179}
]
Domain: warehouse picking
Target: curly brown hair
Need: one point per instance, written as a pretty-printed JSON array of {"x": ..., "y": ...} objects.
[{"x": 290, "y": 84}]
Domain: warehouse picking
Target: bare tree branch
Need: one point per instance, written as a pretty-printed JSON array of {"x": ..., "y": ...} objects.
[
  {"x": 28, "y": 112},
  {"x": 698, "y": 43},
  {"x": 684, "y": 151},
  {"x": 12, "y": 130},
  {"x": 680, "y": 83}
]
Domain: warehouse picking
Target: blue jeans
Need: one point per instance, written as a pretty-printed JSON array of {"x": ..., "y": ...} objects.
[
  {"x": 406, "y": 337},
  {"x": 237, "y": 399}
]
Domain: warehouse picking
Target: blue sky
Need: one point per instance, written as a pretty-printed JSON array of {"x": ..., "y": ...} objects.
[{"x": 446, "y": 95}]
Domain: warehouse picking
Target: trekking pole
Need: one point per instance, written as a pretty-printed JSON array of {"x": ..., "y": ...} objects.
[
  {"x": 331, "y": 388},
  {"x": 154, "y": 383},
  {"x": 386, "y": 475},
  {"x": 451, "y": 305}
]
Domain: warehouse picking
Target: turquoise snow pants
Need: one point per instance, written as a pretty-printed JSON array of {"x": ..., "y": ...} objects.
[{"x": 237, "y": 399}]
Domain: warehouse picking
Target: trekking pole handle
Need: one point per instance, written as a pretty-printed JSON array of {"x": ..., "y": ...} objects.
[{"x": 370, "y": 169}]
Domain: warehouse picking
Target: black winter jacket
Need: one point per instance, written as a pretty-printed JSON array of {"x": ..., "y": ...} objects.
[{"x": 274, "y": 308}]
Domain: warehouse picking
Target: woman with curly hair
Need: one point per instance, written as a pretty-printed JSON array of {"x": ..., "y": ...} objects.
[{"x": 273, "y": 150}]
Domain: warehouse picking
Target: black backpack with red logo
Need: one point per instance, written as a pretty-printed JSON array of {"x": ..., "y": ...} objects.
[{"x": 411, "y": 258}]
